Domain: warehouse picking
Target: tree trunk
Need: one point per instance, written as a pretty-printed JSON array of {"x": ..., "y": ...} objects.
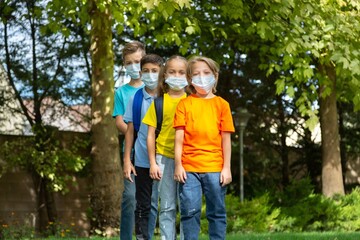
[
  {"x": 42, "y": 220},
  {"x": 342, "y": 141},
  {"x": 106, "y": 173},
  {"x": 332, "y": 181},
  {"x": 284, "y": 152},
  {"x": 312, "y": 156}
]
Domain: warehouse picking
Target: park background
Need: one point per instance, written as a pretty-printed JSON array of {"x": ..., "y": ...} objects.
[{"x": 294, "y": 65}]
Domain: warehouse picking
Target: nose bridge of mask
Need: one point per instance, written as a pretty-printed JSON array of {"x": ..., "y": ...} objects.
[
  {"x": 176, "y": 82},
  {"x": 203, "y": 79},
  {"x": 150, "y": 76},
  {"x": 154, "y": 76},
  {"x": 133, "y": 67},
  {"x": 199, "y": 79}
]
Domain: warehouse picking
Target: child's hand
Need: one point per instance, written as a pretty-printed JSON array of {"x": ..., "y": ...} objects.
[
  {"x": 128, "y": 169},
  {"x": 225, "y": 176},
  {"x": 180, "y": 174},
  {"x": 155, "y": 172}
]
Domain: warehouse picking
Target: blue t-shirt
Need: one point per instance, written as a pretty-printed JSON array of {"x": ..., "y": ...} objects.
[
  {"x": 122, "y": 96},
  {"x": 141, "y": 154}
]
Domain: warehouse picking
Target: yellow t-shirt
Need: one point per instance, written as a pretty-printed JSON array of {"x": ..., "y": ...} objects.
[
  {"x": 165, "y": 140},
  {"x": 203, "y": 120}
]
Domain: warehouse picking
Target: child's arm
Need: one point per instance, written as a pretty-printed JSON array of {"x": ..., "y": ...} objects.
[
  {"x": 155, "y": 172},
  {"x": 120, "y": 124},
  {"x": 180, "y": 173},
  {"x": 225, "y": 176},
  {"x": 129, "y": 142}
]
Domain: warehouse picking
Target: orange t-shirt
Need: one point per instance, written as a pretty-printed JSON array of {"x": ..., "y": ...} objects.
[{"x": 203, "y": 120}]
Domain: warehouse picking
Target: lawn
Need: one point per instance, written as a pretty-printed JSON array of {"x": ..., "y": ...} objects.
[
  {"x": 296, "y": 236},
  {"x": 268, "y": 236}
]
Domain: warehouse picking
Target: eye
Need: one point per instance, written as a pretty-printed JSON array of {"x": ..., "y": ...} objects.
[{"x": 145, "y": 70}]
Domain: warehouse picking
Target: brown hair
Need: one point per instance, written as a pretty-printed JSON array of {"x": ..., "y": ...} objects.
[
  {"x": 214, "y": 67},
  {"x": 152, "y": 58},
  {"x": 132, "y": 47},
  {"x": 162, "y": 86}
]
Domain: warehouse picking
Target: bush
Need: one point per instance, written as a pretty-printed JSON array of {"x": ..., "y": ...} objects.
[
  {"x": 349, "y": 213},
  {"x": 256, "y": 215},
  {"x": 303, "y": 210},
  {"x": 296, "y": 209}
]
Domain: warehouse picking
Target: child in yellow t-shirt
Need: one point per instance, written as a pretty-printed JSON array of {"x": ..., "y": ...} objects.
[
  {"x": 203, "y": 125},
  {"x": 171, "y": 87}
]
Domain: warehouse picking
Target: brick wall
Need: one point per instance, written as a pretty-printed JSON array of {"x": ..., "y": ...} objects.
[{"x": 18, "y": 199}]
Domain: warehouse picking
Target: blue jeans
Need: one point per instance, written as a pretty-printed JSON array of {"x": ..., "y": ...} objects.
[
  {"x": 154, "y": 209},
  {"x": 190, "y": 204},
  {"x": 168, "y": 194},
  {"x": 127, "y": 220}
]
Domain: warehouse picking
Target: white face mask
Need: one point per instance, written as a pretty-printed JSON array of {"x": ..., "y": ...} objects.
[
  {"x": 150, "y": 80},
  {"x": 176, "y": 83},
  {"x": 133, "y": 70},
  {"x": 203, "y": 84}
]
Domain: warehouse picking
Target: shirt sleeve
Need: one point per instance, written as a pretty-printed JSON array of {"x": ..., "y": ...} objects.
[
  {"x": 179, "y": 118},
  {"x": 226, "y": 121},
  {"x": 150, "y": 116},
  {"x": 119, "y": 105},
  {"x": 128, "y": 115}
]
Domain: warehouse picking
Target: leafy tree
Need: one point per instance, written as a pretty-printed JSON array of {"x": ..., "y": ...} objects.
[
  {"x": 313, "y": 44},
  {"x": 106, "y": 172},
  {"x": 40, "y": 66},
  {"x": 103, "y": 16},
  {"x": 309, "y": 49}
]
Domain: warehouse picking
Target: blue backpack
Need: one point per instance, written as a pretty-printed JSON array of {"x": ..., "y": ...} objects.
[{"x": 136, "y": 111}]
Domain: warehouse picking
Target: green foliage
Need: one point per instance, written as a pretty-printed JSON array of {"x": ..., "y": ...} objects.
[
  {"x": 302, "y": 37},
  {"x": 16, "y": 229},
  {"x": 350, "y": 211},
  {"x": 256, "y": 215},
  {"x": 302, "y": 210},
  {"x": 52, "y": 161},
  {"x": 296, "y": 209}
]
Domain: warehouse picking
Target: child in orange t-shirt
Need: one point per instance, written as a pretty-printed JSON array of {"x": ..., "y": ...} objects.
[{"x": 203, "y": 125}]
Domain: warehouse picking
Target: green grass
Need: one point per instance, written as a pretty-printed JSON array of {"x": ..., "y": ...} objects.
[
  {"x": 295, "y": 236},
  {"x": 267, "y": 236}
]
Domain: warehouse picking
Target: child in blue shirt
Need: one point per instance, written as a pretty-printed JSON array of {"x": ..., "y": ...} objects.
[
  {"x": 132, "y": 54},
  {"x": 151, "y": 65}
]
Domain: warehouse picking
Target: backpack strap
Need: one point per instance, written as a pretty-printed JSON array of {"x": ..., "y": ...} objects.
[
  {"x": 136, "y": 110},
  {"x": 159, "y": 109}
]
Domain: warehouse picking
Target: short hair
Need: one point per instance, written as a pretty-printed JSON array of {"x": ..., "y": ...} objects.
[
  {"x": 132, "y": 47},
  {"x": 162, "y": 86},
  {"x": 152, "y": 58},
  {"x": 214, "y": 67}
]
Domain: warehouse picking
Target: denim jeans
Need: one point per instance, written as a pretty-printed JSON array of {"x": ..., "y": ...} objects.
[
  {"x": 168, "y": 194},
  {"x": 127, "y": 220},
  {"x": 154, "y": 209},
  {"x": 190, "y": 204}
]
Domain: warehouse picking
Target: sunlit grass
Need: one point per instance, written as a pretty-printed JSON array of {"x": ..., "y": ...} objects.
[{"x": 265, "y": 236}]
